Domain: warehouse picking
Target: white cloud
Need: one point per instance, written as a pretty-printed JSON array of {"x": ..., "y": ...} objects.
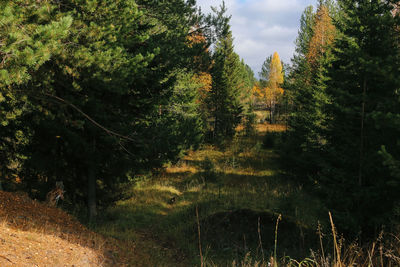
[
  {"x": 277, "y": 32},
  {"x": 273, "y": 5},
  {"x": 261, "y": 27}
]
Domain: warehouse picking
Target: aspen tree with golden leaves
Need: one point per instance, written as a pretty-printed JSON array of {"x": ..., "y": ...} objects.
[{"x": 273, "y": 91}]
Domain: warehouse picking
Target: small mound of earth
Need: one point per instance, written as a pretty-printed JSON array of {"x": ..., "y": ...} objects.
[
  {"x": 237, "y": 231},
  {"x": 21, "y": 212},
  {"x": 25, "y": 248},
  {"x": 34, "y": 234}
]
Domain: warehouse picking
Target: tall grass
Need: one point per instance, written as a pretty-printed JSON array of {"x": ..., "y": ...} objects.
[{"x": 382, "y": 252}]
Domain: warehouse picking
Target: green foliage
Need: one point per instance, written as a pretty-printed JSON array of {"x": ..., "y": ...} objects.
[
  {"x": 179, "y": 124},
  {"x": 307, "y": 96},
  {"x": 250, "y": 121},
  {"x": 363, "y": 86},
  {"x": 305, "y": 33},
  {"x": 265, "y": 70},
  {"x": 93, "y": 92},
  {"x": 344, "y": 112},
  {"x": 30, "y": 35},
  {"x": 224, "y": 99},
  {"x": 246, "y": 83}
]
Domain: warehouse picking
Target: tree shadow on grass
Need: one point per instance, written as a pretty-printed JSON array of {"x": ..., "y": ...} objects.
[{"x": 240, "y": 198}]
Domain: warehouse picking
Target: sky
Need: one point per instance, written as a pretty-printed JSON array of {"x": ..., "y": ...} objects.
[{"x": 262, "y": 27}]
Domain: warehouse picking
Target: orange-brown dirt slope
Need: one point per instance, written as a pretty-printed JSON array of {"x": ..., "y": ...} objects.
[{"x": 33, "y": 234}]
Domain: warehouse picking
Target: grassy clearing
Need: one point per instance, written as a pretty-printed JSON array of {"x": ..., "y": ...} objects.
[
  {"x": 232, "y": 187},
  {"x": 238, "y": 192}
]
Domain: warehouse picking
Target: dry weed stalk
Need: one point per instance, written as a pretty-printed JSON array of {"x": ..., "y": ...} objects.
[
  {"x": 198, "y": 231},
  {"x": 320, "y": 234},
  {"x": 275, "y": 264},
  {"x": 336, "y": 253},
  {"x": 259, "y": 240}
]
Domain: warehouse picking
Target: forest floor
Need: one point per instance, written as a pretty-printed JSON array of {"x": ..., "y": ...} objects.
[
  {"x": 34, "y": 234},
  {"x": 234, "y": 199},
  {"x": 230, "y": 196}
]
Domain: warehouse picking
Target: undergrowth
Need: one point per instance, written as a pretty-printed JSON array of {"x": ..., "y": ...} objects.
[{"x": 237, "y": 193}]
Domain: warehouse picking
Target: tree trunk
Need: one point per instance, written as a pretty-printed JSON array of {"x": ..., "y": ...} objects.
[
  {"x": 270, "y": 112},
  {"x": 286, "y": 115},
  {"x": 362, "y": 133}
]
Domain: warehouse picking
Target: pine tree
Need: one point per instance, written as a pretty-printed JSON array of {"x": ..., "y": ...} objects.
[
  {"x": 247, "y": 80},
  {"x": 25, "y": 46},
  {"x": 307, "y": 93},
  {"x": 265, "y": 70},
  {"x": 363, "y": 86},
  {"x": 305, "y": 33},
  {"x": 225, "y": 93},
  {"x": 87, "y": 94}
]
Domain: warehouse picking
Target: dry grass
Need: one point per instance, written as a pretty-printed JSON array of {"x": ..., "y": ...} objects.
[
  {"x": 23, "y": 248},
  {"x": 262, "y": 128},
  {"x": 34, "y": 234},
  {"x": 265, "y": 127},
  {"x": 384, "y": 251}
]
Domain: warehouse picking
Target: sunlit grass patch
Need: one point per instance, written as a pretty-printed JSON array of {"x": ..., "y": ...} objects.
[
  {"x": 266, "y": 127},
  {"x": 184, "y": 169},
  {"x": 241, "y": 175},
  {"x": 161, "y": 188},
  {"x": 231, "y": 187}
]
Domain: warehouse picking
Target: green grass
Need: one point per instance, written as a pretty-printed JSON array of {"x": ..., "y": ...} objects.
[
  {"x": 239, "y": 192},
  {"x": 231, "y": 187}
]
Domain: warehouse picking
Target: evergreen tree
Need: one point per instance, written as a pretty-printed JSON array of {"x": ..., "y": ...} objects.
[
  {"x": 88, "y": 99},
  {"x": 247, "y": 80},
  {"x": 25, "y": 46},
  {"x": 363, "y": 86},
  {"x": 246, "y": 89},
  {"x": 225, "y": 105},
  {"x": 304, "y": 35},
  {"x": 307, "y": 92},
  {"x": 265, "y": 70}
]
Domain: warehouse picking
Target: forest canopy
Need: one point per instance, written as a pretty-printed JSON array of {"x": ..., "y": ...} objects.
[{"x": 94, "y": 93}]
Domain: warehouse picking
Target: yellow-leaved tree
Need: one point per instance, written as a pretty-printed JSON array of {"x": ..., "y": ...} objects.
[
  {"x": 274, "y": 91},
  {"x": 323, "y": 37}
]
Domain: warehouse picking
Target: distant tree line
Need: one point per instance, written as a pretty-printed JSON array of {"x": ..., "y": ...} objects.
[{"x": 94, "y": 93}]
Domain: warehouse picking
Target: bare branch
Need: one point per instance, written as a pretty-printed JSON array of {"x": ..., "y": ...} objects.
[{"x": 108, "y": 131}]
